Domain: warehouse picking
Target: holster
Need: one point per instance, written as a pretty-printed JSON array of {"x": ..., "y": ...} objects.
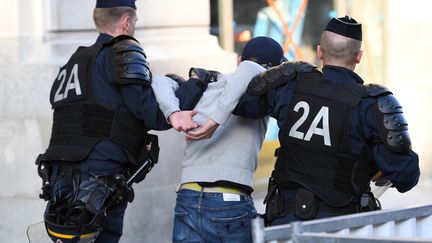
[
  {"x": 151, "y": 151},
  {"x": 120, "y": 189},
  {"x": 369, "y": 203},
  {"x": 44, "y": 171},
  {"x": 273, "y": 201}
]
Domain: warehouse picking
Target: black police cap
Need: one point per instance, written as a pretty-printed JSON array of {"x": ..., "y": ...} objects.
[
  {"x": 345, "y": 26},
  {"x": 115, "y": 3}
]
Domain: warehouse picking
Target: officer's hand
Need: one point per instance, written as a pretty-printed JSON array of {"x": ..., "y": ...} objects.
[
  {"x": 204, "y": 75},
  {"x": 205, "y": 131},
  {"x": 182, "y": 120}
]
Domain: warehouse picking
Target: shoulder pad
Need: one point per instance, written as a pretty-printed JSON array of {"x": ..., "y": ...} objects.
[
  {"x": 207, "y": 76},
  {"x": 392, "y": 124},
  {"x": 303, "y": 67},
  {"x": 130, "y": 64},
  {"x": 376, "y": 90},
  {"x": 277, "y": 76}
]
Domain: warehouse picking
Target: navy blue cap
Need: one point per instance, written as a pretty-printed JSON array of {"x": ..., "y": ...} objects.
[
  {"x": 115, "y": 3},
  {"x": 345, "y": 26},
  {"x": 266, "y": 50}
]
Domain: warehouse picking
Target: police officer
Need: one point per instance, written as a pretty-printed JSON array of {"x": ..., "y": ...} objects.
[
  {"x": 103, "y": 107},
  {"x": 336, "y": 133}
]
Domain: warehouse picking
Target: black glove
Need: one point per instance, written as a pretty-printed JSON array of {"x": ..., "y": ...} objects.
[{"x": 207, "y": 76}]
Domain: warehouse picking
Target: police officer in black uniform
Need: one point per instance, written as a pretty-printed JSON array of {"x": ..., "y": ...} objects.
[
  {"x": 103, "y": 107},
  {"x": 336, "y": 133}
]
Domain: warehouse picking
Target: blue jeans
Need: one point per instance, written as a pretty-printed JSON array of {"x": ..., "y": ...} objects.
[{"x": 206, "y": 217}]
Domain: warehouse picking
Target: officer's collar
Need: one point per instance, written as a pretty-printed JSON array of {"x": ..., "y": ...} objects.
[
  {"x": 102, "y": 38},
  {"x": 340, "y": 74}
]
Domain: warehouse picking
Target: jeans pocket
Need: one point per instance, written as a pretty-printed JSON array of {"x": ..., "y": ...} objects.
[
  {"x": 182, "y": 230},
  {"x": 234, "y": 229}
]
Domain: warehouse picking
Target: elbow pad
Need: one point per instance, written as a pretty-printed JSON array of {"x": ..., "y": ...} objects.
[
  {"x": 130, "y": 64},
  {"x": 393, "y": 127}
]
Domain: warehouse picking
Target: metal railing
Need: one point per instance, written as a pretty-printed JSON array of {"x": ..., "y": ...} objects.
[{"x": 411, "y": 224}]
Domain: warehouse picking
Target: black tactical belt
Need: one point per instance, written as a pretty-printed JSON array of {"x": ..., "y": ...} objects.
[{"x": 289, "y": 206}]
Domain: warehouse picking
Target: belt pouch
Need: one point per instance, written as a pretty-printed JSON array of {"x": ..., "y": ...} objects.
[{"x": 306, "y": 204}]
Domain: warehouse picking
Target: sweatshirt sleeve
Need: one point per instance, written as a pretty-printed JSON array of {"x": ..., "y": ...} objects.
[
  {"x": 235, "y": 86},
  {"x": 164, "y": 89}
]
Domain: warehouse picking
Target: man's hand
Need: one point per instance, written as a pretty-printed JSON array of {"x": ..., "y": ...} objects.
[
  {"x": 205, "y": 131},
  {"x": 182, "y": 120}
]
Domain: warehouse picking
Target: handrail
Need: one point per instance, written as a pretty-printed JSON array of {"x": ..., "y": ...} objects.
[{"x": 340, "y": 223}]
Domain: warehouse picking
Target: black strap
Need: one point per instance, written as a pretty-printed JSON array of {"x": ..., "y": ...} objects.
[{"x": 289, "y": 206}]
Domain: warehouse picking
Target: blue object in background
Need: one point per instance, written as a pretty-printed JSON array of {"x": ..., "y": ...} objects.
[{"x": 269, "y": 24}]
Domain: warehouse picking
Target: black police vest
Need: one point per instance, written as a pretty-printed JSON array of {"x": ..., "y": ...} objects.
[
  {"x": 80, "y": 122},
  {"x": 315, "y": 147}
]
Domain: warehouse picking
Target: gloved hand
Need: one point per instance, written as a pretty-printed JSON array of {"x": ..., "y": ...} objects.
[{"x": 202, "y": 74}]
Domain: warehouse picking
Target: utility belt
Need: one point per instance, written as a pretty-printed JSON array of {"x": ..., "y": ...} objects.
[
  {"x": 115, "y": 181},
  {"x": 218, "y": 189},
  {"x": 113, "y": 185},
  {"x": 305, "y": 204},
  {"x": 78, "y": 199}
]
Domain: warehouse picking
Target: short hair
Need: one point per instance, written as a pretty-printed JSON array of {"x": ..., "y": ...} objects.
[
  {"x": 339, "y": 48},
  {"x": 108, "y": 18}
]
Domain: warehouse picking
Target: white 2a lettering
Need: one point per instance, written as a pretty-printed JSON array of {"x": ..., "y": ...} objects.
[
  {"x": 323, "y": 115},
  {"x": 72, "y": 83}
]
